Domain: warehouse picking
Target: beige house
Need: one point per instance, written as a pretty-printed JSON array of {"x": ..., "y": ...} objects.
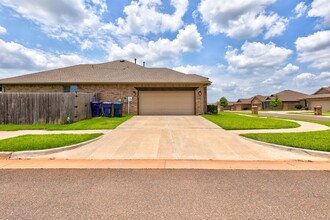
[
  {"x": 320, "y": 98},
  {"x": 144, "y": 91}
]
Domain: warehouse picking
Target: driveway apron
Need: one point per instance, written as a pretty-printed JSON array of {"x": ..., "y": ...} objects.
[{"x": 177, "y": 137}]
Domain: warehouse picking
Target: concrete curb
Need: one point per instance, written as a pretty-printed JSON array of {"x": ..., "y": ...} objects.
[
  {"x": 294, "y": 149},
  {"x": 5, "y": 155},
  {"x": 36, "y": 153}
]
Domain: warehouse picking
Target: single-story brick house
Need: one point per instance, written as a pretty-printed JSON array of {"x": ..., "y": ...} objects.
[
  {"x": 243, "y": 104},
  {"x": 320, "y": 98},
  {"x": 289, "y": 99},
  {"x": 154, "y": 91}
]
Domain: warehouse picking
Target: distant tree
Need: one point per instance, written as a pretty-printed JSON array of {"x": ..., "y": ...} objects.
[
  {"x": 276, "y": 103},
  {"x": 223, "y": 102}
]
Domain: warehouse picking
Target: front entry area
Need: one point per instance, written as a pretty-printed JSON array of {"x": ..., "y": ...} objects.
[{"x": 167, "y": 102}]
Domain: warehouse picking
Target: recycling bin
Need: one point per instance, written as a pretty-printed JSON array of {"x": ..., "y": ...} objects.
[
  {"x": 96, "y": 108},
  {"x": 107, "y": 109},
  {"x": 118, "y": 109}
]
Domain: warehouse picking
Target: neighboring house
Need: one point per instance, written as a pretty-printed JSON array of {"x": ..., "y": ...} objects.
[
  {"x": 243, "y": 104},
  {"x": 154, "y": 91},
  {"x": 230, "y": 106},
  {"x": 320, "y": 98},
  {"x": 289, "y": 99},
  {"x": 259, "y": 100}
]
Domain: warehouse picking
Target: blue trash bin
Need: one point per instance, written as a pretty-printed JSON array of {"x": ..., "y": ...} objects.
[
  {"x": 107, "y": 109},
  {"x": 118, "y": 109},
  {"x": 96, "y": 108}
]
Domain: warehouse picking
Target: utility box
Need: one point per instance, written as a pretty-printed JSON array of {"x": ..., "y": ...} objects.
[
  {"x": 254, "y": 110},
  {"x": 318, "y": 110},
  {"x": 107, "y": 109}
]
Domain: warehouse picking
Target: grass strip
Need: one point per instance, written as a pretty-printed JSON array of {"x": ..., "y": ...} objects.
[
  {"x": 232, "y": 121},
  {"x": 88, "y": 124},
  {"x": 316, "y": 140},
  {"x": 46, "y": 141}
]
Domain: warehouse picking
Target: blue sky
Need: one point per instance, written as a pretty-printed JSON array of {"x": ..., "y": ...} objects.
[{"x": 245, "y": 47}]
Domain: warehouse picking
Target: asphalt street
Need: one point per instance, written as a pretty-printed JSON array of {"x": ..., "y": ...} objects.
[{"x": 163, "y": 194}]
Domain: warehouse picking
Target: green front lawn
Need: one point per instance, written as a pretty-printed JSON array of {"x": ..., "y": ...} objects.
[
  {"x": 88, "y": 124},
  {"x": 316, "y": 140},
  {"x": 46, "y": 141},
  {"x": 232, "y": 121}
]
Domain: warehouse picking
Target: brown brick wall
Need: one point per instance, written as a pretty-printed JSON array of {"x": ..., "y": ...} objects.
[{"x": 115, "y": 92}]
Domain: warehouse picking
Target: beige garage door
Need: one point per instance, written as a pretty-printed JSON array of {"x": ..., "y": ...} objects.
[
  {"x": 324, "y": 103},
  {"x": 166, "y": 103}
]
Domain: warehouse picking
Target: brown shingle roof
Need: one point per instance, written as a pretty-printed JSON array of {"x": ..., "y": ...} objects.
[
  {"x": 244, "y": 101},
  {"x": 317, "y": 96},
  {"x": 289, "y": 95},
  {"x": 111, "y": 72},
  {"x": 262, "y": 98},
  {"x": 322, "y": 90}
]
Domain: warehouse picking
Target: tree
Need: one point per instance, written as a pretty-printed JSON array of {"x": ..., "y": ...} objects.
[
  {"x": 276, "y": 103},
  {"x": 223, "y": 102}
]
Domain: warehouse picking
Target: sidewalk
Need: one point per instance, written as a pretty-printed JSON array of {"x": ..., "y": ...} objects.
[
  {"x": 304, "y": 127},
  {"x": 163, "y": 164}
]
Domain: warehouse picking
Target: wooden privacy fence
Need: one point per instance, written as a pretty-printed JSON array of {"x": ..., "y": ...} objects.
[{"x": 41, "y": 108}]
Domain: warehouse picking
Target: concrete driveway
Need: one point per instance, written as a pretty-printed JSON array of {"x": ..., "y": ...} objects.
[{"x": 177, "y": 137}]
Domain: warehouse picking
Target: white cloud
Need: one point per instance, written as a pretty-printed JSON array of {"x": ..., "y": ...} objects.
[
  {"x": 314, "y": 49},
  {"x": 321, "y": 8},
  {"x": 300, "y": 9},
  {"x": 199, "y": 69},
  {"x": 14, "y": 56},
  {"x": 3, "y": 30},
  {"x": 75, "y": 20},
  {"x": 68, "y": 15},
  {"x": 255, "y": 57},
  {"x": 311, "y": 79},
  {"x": 242, "y": 18},
  {"x": 160, "y": 51},
  {"x": 144, "y": 16},
  {"x": 281, "y": 75}
]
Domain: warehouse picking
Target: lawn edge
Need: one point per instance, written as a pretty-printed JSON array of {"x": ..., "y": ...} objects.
[
  {"x": 36, "y": 153},
  {"x": 310, "y": 152}
]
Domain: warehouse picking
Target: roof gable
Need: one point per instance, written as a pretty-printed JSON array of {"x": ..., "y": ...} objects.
[
  {"x": 323, "y": 90},
  {"x": 289, "y": 95}
]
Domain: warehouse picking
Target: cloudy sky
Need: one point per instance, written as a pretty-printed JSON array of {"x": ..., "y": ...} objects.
[{"x": 245, "y": 47}]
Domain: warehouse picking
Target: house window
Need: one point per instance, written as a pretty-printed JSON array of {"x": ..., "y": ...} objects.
[
  {"x": 2, "y": 89},
  {"x": 71, "y": 88},
  {"x": 267, "y": 104}
]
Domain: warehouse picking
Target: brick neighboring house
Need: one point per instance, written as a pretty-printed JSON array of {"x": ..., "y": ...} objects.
[
  {"x": 289, "y": 99},
  {"x": 320, "y": 98},
  {"x": 154, "y": 91},
  {"x": 243, "y": 104}
]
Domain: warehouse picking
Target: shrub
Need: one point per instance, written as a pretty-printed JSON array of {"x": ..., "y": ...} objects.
[
  {"x": 212, "y": 109},
  {"x": 298, "y": 106}
]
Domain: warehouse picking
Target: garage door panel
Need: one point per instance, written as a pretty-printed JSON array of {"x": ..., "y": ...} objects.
[
  {"x": 324, "y": 103},
  {"x": 166, "y": 102}
]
